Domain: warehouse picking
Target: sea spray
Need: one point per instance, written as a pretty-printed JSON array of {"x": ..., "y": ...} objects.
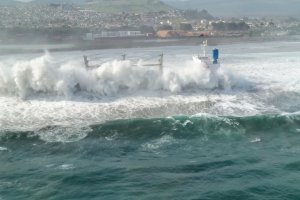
[{"x": 45, "y": 75}]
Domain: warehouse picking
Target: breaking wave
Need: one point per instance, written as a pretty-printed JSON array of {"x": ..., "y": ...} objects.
[{"x": 44, "y": 75}]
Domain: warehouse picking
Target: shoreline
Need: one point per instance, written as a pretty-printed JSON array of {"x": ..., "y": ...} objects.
[{"x": 120, "y": 43}]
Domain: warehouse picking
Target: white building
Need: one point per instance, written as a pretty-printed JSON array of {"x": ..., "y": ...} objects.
[{"x": 113, "y": 34}]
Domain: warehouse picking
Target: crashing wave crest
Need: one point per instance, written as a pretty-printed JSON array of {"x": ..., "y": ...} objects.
[{"x": 45, "y": 75}]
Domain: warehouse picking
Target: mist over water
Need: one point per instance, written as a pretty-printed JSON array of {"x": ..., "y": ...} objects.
[{"x": 128, "y": 131}]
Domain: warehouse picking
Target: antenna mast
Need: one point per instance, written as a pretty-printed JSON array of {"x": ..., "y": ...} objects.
[{"x": 204, "y": 47}]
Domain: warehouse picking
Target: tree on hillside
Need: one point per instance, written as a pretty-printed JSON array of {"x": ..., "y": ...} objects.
[
  {"x": 165, "y": 28},
  {"x": 147, "y": 29},
  {"x": 196, "y": 14},
  {"x": 185, "y": 27},
  {"x": 231, "y": 26}
]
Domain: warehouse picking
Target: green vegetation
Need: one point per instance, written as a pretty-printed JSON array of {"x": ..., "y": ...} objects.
[
  {"x": 196, "y": 14},
  {"x": 231, "y": 26},
  {"x": 130, "y": 6}
]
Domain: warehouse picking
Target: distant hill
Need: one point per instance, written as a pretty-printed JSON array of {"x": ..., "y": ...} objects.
[
  {"x": 15, "y": 2},
  {"x": 236, "y": 8},
  {"x": 117, "y": 6},
  {"x": 8, "y": 2},
  {"x": 107, "y": 6}
]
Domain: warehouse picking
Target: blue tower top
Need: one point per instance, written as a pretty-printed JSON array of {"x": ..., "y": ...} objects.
[{"x": 215, "y": 54}]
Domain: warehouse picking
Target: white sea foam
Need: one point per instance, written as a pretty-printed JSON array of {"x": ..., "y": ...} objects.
[
  {"x": 66, "y": 167},
  {"x": 156, "y": 144},
  {"x": 44, "y": 75},
  {"x": 3, "y": 149},
  {"x": 63, "y": 134},
  {"x": 256, "y": 140}
]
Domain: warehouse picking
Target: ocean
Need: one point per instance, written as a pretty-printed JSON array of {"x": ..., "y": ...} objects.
[{"x": 129, "y": 131}]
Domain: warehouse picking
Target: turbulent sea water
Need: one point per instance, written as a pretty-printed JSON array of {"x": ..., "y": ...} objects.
[{"x": 125, "y": 131}]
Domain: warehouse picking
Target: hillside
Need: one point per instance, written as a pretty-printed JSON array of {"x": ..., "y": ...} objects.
[
  {"x": 117, "y": 6},
  {"x": 8, "y": 2},
  {"x": 16, "y": 2},
  {"x": 107, "y": 6}
]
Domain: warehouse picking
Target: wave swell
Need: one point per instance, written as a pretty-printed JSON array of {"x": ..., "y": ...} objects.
[{"x": 182, "y": 127}]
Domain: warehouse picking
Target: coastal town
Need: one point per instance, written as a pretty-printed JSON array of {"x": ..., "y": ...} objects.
[{"x": 69, "y": 21}]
